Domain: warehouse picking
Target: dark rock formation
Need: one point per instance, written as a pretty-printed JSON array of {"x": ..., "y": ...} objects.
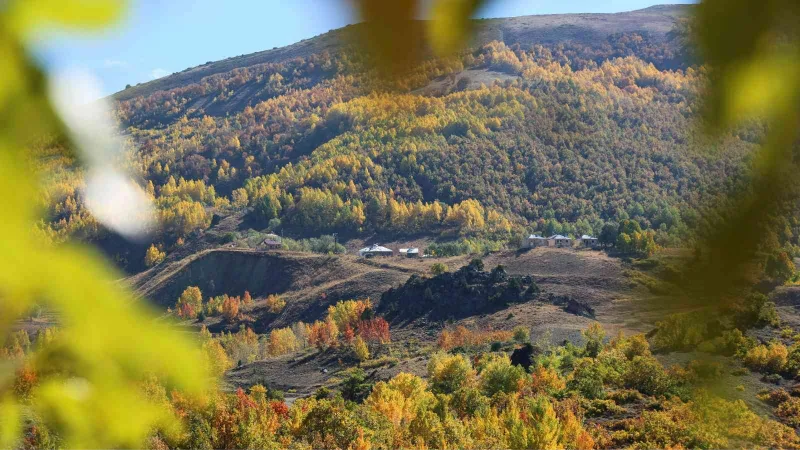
[{"x": 465, "y": 292}]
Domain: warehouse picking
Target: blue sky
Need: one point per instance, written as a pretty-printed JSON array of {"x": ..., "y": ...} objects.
[{"x": 159, "y": 37}]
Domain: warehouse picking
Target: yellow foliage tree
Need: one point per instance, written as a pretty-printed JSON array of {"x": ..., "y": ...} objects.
[
  {"x": 282, "y": 341},
  {"x": 190, "y": 303},
  {"x": 153, "y": 256},
  {"x": 275, "y": 304},
  {"x": 360, "y": 349}
]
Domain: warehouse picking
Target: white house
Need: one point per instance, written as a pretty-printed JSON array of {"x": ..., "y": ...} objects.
[
  {"x": 534, "y": 241},
  {"x": 589, "y": 241},
  {"x": 559, "y": 241},
  {"x": 375, "y": 250},
  {"x": 409, "y": 252}
]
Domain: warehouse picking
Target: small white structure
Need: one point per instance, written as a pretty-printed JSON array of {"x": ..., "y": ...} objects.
[
  {"x": 273, "y": 237},
  {"x": 559, "y": 241},
  {"x": 375, "y": 250},
  {"x": 589, "y": 241},
  {"x": 409, "y": 252},
  {"x": 534, "y": 241}
]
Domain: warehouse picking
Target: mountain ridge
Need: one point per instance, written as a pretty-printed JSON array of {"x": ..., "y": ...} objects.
[{"x": 656, "y": 20}]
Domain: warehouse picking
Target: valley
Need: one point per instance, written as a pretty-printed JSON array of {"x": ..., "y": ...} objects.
[
  {"x": 311, "y": 283},
  {"x": 280, "y": 180}
]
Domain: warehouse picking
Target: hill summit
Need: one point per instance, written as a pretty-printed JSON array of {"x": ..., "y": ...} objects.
[{"x": 656, "y": 21}]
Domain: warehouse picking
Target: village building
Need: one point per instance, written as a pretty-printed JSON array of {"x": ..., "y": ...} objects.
[
  {"x": 589, "y": 241},
  {"x": 272, "y": 242},
  {"x": 375, "y": 250},
  {"x": 534, "y": 241},
  {"x": 559, "y": 241},
  {"x": 409, "y": 252}
]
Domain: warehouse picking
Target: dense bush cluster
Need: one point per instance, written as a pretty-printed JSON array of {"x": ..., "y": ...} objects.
[{"x": 605, "y": 394}]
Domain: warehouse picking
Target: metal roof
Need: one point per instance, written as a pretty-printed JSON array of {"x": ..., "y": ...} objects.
[{"x": 375, "y": 248}]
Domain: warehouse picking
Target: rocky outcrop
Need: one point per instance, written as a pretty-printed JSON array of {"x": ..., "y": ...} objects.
[{"x": 468, "y": 291}]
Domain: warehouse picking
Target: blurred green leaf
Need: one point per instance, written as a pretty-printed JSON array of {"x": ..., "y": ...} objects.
[{"x": 109, "y": 343}]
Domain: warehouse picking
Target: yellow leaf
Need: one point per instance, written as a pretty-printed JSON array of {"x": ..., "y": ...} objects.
[
  {"x": 764, "y": 87},
  {"x": 9, "y": 423},
  {"x": 26, "y": 15},
  {"x": 450, "y": 25}
]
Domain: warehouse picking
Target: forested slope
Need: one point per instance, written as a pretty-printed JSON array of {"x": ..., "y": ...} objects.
[{"x": 573, "y": 134}]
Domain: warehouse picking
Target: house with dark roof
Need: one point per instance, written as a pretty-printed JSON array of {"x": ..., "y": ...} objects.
[
  {"x": 271, "y": 244},
  {"x": 409, "y": 252},
  {"x": 589, "y": 241},
  {"x": 534, "y": 241},
  {"x": 559, "y": 241}
]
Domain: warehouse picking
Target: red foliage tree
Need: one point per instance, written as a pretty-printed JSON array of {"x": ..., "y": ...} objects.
[
  {"x": 374, "y": 330},
  {"x": 348, "y": 334}
]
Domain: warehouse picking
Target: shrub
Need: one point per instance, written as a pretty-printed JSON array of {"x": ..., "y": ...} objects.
[
  {"x": 464, "y": 337},
  {"x": 755, "y": 309},
  {"x": 355, "y": 387},
  {"x": 646, "y": 375},
  {"x": 635, "y": 345},
  {"x": 282, "y": 341},
  {"x": 544, "y": 380},
  {"x": 779, "y": 266},
  {"x": 789, "y": 412},
  {"x": 624, "y": 396},
  {"x": 599, "y": 408},
  {"x": 153, "y": 256},
  {"x": 587, "y": 379},
  {"x": 594, "y": 336},
  {"x": 678, "y": 332},
  {"x": 449, "y": 373},
  {"x": 522, "y": 334},
  {"x": 792, "y": 366},
  {"x": 348, "y": 312},
  {"x": 275, "y": 304},
  {"x": 774, "y": 397},
  {"x": 375, "y": 330},
  {"x": 230, "y": 308},
  {"x": 469, "y": 402},
  {"x": 768, "y": 359},
  {"x": 438, "y": 269},
  {"x": 731, "y": 342},
  {"x": 360, "y": 349},
  {"x": 190, "y": 303},
  {"x": 498, "y": 375}
]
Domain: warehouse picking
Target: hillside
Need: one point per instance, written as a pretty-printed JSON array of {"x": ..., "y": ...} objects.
[
  {"x": 269, "y": 172},
  {"x": 549, "y": 124},
  {"x": 524, "y": 30}
]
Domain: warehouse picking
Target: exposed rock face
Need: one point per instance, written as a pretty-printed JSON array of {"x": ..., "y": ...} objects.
[
  {"x": 572, "y": 306},
  {"x": 524, "y": 355},
  {"x": 465, "y": 292}
]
